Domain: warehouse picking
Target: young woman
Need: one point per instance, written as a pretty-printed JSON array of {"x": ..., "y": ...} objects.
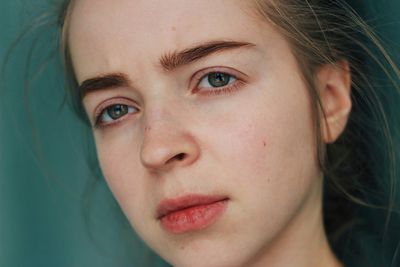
[{"x": 218, "y": 123}]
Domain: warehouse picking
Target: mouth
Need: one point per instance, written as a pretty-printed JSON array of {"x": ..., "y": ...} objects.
[{"x": 190, "y": 212}]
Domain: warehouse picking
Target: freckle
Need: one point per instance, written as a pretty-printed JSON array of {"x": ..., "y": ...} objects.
[
  {"x": 147, "y": 128},
  {"x": 264, "y": 143},
  {"x": 173, "y": 28}
]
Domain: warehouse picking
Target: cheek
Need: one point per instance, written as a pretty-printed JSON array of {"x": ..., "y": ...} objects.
[
  {"x": 115, "y": 156},
  {"x": 267, "y": 151},
  {"x": 266, "y": 134},
  {"x": 120, "y": 163}
]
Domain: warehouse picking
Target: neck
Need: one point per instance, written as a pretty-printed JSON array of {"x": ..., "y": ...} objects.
[{"x": 303, "y": 242}]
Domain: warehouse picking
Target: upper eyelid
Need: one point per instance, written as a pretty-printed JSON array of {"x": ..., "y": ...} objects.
[
  {"x": 93, "y": 99},
  {"x": 224, "y": 69}
]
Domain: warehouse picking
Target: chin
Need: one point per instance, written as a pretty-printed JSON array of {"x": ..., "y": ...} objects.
[
  {"x": 203, "y": 260},
  {"x": 207, "y": 252}
]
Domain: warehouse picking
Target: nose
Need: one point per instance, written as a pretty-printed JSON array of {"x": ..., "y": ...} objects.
[{"x": 167, "y": 146}]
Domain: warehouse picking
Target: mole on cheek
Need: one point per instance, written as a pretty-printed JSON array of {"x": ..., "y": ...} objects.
[{"x": 264, "y": 144}]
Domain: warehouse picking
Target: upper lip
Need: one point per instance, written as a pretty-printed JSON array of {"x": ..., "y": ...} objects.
[{"x": 169, "y": 205}]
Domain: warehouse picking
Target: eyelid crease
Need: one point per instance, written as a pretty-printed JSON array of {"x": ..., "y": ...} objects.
[{"x": 227, "y": 70}]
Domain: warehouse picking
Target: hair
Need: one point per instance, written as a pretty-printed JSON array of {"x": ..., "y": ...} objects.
[
  {"x": 360, "y": 176},
  {"x": 360, "y": 167}
]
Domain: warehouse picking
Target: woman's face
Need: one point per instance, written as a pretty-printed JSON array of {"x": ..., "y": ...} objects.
[{"x": 204, "y": 126}]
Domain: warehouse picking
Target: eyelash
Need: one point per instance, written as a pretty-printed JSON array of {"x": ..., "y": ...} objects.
[{"x": 214, "y": 91}]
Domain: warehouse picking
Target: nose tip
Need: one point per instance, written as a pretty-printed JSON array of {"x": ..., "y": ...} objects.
[{"x": 162, "y": 151}]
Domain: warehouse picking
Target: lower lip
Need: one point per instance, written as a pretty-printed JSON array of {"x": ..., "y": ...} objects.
[{"x": 193, "y": 218}]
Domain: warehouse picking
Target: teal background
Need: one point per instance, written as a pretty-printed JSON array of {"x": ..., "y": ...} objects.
[{"x": 44, "y": 168}]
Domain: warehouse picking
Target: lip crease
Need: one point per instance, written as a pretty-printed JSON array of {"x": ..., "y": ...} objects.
[{"x": 171, "y": 205}]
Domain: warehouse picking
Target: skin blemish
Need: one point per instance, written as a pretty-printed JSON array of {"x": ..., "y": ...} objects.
[{"x": 264, "y": 144}]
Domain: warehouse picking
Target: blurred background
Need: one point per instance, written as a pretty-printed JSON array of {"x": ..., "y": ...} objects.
[{"x": 52, "y": 211}]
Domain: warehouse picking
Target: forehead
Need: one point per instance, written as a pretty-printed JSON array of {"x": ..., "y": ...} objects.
[{"x": 105, "y": 32}]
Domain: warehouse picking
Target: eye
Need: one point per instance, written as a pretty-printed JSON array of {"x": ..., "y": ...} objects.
[
  {"x": 113, "y": 113},
  {"x": 215, "y": 82},
  {"x": 216, "y": 79}
]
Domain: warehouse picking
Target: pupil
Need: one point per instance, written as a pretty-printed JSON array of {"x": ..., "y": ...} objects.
[
  {"x": 218, "y": 79},
  {"x": 117, "y": 111}
]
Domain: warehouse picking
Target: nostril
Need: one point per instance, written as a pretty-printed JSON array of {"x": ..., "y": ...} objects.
[{"x": 178, "y": 157}]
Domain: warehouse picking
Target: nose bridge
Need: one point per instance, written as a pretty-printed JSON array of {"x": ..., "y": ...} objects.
[
  {"x": 161, "y": 109},
  {"x": 167, "y": 140},
  {"x": 163, "y": 113}
]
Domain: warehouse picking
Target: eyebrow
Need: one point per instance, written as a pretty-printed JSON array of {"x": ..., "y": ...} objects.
[
  {"x": 102, "y": 82},
  {"x": 168, "y": 62},
  {"x": 175, "y": 59}
]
